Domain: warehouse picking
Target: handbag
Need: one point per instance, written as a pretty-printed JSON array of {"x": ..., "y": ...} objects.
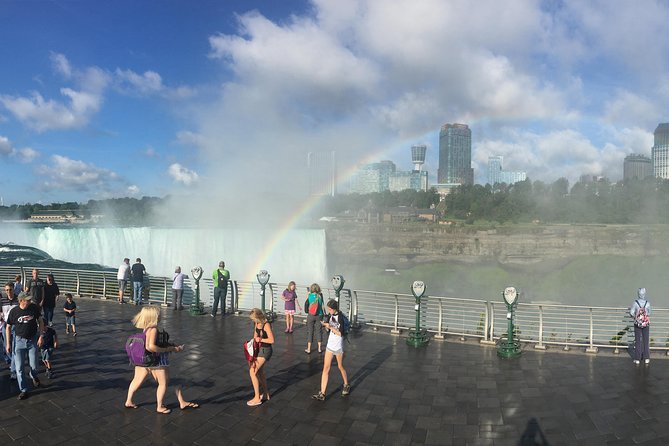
[{"x": 251, "y": 350}]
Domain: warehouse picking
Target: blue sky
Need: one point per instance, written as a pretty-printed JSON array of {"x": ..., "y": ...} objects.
[{"x": 131, "y": 98}]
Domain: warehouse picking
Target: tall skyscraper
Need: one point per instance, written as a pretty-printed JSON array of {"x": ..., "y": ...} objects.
[
  {"x": 322, "y": 171},
  {"x": 455, "y": 154},
  {"x": 660, "y": 151},
  {"x": 637, "y": 167}
]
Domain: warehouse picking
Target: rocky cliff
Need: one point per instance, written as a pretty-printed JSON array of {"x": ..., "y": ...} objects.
[{"x": 409, "y": 245}]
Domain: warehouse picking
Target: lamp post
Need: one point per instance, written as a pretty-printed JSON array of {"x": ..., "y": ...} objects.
[
  {"x": 417, "y": 338},
  {"x": 510, "y": 348},
  {"x": 196, "y": 307},
  {"x": 338, "y": 285}
]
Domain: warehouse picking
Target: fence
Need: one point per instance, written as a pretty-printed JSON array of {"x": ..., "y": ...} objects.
[{"x": 542, "y": 325}]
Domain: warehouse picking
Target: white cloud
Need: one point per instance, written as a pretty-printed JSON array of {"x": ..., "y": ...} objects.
[
  {"x": 133, "y": 190},
  {"x": 23, "y": 155},
  {"x": 180, "y": 174},
  {"x": 63, "y": 173},
  {"x": 76, "y": 108},
  {"x": 61, "y": 65},
  {"x": 148, "y": 83}
]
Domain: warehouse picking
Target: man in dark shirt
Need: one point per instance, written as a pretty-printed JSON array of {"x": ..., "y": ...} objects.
[
  {"x": 137, "y": 271},
  {"x": 28, "y": 328},
  {"x": 35, "y": 287},
  {"x": 51, "y": 292}
]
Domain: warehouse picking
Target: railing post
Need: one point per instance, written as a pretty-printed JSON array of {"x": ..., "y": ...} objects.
[
  {"x": 439, "y": 334},
  {"x": 104, "y": 285},
  {"x": 488, "y": 327},
  {"x": 395, "y": 330},
  {"x": 592, "y": 348},
  {"x": 165, "y": 304},
  {"x": 235, "y": 297},
  {"x": 540, "y": 345},
  {"x": 354, "y": 317},
  {"x": 78, "y": 291}
]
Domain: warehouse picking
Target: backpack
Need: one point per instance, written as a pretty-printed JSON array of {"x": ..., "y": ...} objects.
[
  {"x": 222, "y": 280},
  {"x": 641, "y": 319},
  {"x": 345, "y": 325},
  {"x": 135, "y": 347},
  {"x": 314, "y": 307}
]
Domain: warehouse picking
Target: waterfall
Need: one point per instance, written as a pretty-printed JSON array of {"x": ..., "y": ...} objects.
[{"x": 300, "y": 255}]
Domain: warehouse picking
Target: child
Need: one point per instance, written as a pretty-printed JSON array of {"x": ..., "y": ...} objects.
[
  {"x": 290, "y": 297},
  {"x": 70, "y": 308},
  {"x": 49, "y": 342},
  {"x": 335, "y": 347}
]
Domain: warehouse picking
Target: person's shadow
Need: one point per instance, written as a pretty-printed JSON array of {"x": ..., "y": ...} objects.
[{"x": 532, "y": 431}]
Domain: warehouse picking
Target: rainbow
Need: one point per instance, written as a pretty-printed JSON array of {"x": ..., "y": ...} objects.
[{"x": 302, "y": 210}]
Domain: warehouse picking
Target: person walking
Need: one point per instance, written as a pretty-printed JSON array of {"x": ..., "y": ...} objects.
[
  {"x": 35, "y": 287},
  {"x": 314, "y": 310},
  {"x": 147, "y": 320},
  {"x": 123, "y": 276},
  {"x": 221, "y": 277},
  {"x": 51, "y": 293},
  {"x": 640, "y": 311},
  {"x": 70, "y": 309},
  {"x": 18, "y": 285},
  {"x": 137, "y": 271},
  {"x": 8, "y": 303},
  {"x": 335, "y": 325},
  {"x": 26, "y": 319},
  {"x": 262, "y": 334},
  {"x": 178, "y": 288},
  {"x": 290, "y": 298}
]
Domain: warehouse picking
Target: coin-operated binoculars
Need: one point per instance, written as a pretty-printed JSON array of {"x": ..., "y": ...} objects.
[
  {"x": 263, "y": 280},
  {"x": 338, "y": 284},
  {"x": 196, "y": 307},
  {"x": 417, "y": 338},
  {"x": 510, "y": 348}
]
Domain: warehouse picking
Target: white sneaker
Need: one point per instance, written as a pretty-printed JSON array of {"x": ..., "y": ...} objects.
[
  {"x": 646, "y": 361},
  {"x": 637, "y": 362}
]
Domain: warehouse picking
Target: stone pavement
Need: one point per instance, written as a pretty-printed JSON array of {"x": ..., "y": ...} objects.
[{"x": 449, "y": 393}]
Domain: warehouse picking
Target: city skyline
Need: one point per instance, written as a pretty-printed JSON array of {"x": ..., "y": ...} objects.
[{"x": 105, "y": 100}]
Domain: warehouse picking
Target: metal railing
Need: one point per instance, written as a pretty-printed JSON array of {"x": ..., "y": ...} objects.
[{"x": 542, "y": 325}]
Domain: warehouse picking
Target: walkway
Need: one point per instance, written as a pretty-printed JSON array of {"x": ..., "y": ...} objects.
[{"x": 449, "y": 393}]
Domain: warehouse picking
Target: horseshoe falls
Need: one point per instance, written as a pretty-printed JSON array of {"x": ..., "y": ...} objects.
[{"x": 299, "y": 255}]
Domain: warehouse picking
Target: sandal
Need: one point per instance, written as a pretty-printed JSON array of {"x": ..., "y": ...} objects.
[
  {"x": 131, "y": 406},
  {"x": 163, "y": 410},
  {"x": 307, "y": 352},
  {"x": 253, "y": 403},
  {"x": 190, "y": 405}
]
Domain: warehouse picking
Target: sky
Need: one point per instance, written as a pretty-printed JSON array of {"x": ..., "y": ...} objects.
[{"x": 222, "y": 100}]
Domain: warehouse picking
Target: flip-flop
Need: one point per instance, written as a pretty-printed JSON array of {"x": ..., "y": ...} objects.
[
  {"x": 190, "y": 406},
  {"x": 249, "y": 403},
  {"x": 164, "y": 410},
  {"x": 134, "y": 406},
  {"x": 308, "y": 352}
]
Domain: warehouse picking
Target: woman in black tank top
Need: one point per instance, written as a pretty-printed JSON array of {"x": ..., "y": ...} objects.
[{"x": 262, "y": 333}]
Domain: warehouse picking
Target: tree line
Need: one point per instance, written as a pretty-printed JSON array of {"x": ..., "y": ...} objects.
[{"x": 601, "y": 202}]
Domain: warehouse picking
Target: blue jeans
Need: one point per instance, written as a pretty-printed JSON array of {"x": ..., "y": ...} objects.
[
  {"x": 48, "y": 315},
  {"x": 23, "y": 347},
  {"x": 220, "y": 294},
  {"x": 137, "y": 288},
  {"x": 7, "y": 356},
  {"x": 641, "y": 343}
]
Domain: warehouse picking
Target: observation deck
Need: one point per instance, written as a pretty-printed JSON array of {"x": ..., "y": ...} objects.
[{"x": 450, "y": 392}]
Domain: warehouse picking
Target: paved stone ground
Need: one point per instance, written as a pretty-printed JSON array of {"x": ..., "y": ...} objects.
[{"x": 449, "y": 393}]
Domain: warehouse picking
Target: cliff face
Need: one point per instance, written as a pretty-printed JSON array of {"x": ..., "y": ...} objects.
[{"x": 410, "y": 245}]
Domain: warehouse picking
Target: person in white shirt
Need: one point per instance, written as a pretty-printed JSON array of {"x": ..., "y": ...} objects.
[
  {"x": 123, "y": 276},
  {"x": 178, "y": 288},
  {"x": 333, "y": 323}
]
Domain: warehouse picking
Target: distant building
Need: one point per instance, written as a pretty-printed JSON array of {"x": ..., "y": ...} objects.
[
  {"x": 455, "y": 155},
  {"x": 496, "y": 175},
  {"x": 322, "y": 173},
  {"x": 402, "y": 180},
  {"x": 660, "y": 151},
  {"x": 637, "y": 167},
  {"x": 61, "y": 216},
  {"x": 373, "y": 177},
  {"x": 418, "y": 156}
]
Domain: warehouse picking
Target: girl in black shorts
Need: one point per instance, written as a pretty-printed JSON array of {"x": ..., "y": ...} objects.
[{"x": 262, "y": 333}]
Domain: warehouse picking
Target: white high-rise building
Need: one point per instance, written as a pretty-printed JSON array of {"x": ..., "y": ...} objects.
[{"x": 660, "y": 151}]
